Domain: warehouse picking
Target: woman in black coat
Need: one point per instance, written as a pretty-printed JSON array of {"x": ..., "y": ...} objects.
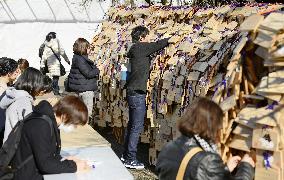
[
  {"x": 40, "y": 143},
  {"x": 200, "y": 127},
  {"x": 83, "y": 74}
]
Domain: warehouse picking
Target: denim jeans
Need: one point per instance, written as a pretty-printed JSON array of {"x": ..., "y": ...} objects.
[
  {"x": 137, "y": 111},
  {"x": 55, "y": 85}
]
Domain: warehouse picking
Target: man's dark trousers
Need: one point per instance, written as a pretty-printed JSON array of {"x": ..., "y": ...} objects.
[
  {"x": 55, "y": 85},
  {"x": 137, "y": 111}
]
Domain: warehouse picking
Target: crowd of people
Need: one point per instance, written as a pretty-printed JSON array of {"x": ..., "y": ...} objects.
[
  {"x": 194, "y": 155},
  {"x": 38, "y": 150}
]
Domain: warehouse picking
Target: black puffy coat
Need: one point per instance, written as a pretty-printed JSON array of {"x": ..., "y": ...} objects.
[
  {"x": 83, "y": 74},
  {"x": 203, "y": 165},
  {"x": 44, "y": 144}
]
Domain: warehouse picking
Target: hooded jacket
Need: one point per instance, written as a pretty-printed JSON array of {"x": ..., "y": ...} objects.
[
  {"x": 44, "y": 144},
  {"x": 50, "y": 58},
  {"x": 17, "y": 104}
]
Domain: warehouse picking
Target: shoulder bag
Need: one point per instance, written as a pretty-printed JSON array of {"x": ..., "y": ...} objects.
[
  {"x": 62, "y": 69},
  {"x": 185, "y": 160}
]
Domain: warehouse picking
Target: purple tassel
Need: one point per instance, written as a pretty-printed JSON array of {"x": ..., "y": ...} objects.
[
  {"x": 271, "y": 106},
  {"x": 224, "y": 82},
  {"x": 266, "y": 156}
]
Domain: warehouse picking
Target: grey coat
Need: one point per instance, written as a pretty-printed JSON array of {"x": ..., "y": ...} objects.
[{"x": 17, "y": 104}]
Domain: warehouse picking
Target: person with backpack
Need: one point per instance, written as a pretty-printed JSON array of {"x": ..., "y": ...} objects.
[
  {"x": 50, "y": 52},
  {"x": 84, "y": 74},
  {"x": 39, "y": 147},
  {"x": 9, "y": 71},
  {"x": 194, "y": 155},
  {"x": 18, "y": 101}
]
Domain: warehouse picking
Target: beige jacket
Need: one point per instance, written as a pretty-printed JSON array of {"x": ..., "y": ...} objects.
[{"x": 49, "y": 57}]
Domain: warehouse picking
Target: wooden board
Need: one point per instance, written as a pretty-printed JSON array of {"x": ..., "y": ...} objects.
[
  {"x": 276, "y": 162},
  {"x": 228, "y": 103},
  {"x": 252, "y": 23},
  {"x": 265, "y": 139},
  {"x": 263, "y": 87},
  {"x": 273, "y": 22},
  {"x": 273, "y": 63},
  {"x": 265, "y": 39},
  {"x": 243, "y": 131},
  {"x": 241, "y": 143},
  {"x": 264, "y": 174}
]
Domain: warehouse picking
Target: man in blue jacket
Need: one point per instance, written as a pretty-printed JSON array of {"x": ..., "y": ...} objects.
[{"x": 136, "y": 85}]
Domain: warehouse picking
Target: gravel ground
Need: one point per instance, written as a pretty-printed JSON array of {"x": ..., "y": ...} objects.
[{"x": 148, "y": 173}]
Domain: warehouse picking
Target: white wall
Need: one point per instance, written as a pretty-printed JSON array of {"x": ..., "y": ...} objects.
[
  {"x": 23, "y": 40},
  {"x": 23, "y": 26}
]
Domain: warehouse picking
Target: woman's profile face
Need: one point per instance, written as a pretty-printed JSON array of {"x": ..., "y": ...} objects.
[
  {"x": 13, "y": 76},
  {"x": 89, "y": 50}
]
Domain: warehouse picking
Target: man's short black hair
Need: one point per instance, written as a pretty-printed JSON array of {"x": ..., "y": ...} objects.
[
  {"x": 138, "y": 32},
  {"x": 7, "y": 65},
  {"x": 33, "y": 81}
]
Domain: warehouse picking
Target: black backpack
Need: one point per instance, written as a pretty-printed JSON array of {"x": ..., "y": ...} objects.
[
  {"x": 41, "y": 49},
  {"x": 9, "y": 148}
]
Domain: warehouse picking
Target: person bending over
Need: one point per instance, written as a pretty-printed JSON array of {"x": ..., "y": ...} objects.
[{"x": 44, "y": 144}]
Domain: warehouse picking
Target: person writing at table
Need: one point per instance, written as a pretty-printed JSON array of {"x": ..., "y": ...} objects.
[{"x": 43, "y": 144}]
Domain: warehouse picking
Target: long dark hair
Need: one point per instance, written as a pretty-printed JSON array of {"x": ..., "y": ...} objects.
[
  {"x": 33, "y": 81},
  {"x": 7, "y": 65}
]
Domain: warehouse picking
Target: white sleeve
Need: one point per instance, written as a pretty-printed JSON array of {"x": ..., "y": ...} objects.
[{"x": 62, "y": 52}]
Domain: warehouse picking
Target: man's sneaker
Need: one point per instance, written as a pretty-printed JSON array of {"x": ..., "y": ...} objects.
[
  {"x": 122, "y": 159},
  {"x": 133, "y": 164}
]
